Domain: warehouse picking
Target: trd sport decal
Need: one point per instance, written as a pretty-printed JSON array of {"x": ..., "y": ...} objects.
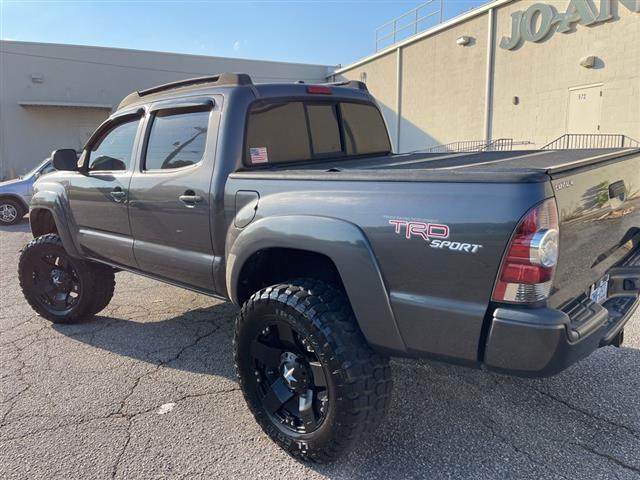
[{"x": 436, "y": 234}]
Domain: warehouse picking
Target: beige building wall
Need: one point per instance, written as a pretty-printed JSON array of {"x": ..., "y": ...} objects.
[
  {"x": 380, "y": 77},
  {"x": 53, "y": 96},
  {"x": 541, "y": 74},
  {"x": 443, "y": 85}
]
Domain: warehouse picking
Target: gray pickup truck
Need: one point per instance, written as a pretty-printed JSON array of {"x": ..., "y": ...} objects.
[{"x": 287, "y": 200}]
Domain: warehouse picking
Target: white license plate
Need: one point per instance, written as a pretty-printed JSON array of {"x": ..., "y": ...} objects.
[{"x": 599, "y": 290}]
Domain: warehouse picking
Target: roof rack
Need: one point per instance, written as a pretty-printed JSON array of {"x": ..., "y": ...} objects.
[
  {"x": 350, "y": 84},
  {"x": 218, "y": 80}
]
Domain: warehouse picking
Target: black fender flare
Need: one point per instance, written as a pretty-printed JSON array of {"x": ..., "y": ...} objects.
[
  {"x": 53, "y": 197},
  {"x": 347, "y": 246}
]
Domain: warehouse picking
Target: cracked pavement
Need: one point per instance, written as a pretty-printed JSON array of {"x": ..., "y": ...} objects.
[{"x": 93, "y": 400}]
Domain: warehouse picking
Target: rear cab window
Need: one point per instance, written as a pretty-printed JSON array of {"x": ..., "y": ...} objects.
[{"x": 306, "y": 130}]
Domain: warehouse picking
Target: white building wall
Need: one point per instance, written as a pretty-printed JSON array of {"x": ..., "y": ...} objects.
[{"x": 97, "y": 78}]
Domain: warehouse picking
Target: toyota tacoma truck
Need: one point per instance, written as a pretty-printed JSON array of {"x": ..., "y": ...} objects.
[{"x": 287, "y": 200}]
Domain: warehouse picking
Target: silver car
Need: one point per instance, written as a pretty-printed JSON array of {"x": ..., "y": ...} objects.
[{"x": 15, "y": 195}]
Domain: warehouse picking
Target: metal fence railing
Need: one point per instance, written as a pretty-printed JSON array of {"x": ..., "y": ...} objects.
[
  {"x": 570, "y": 141},
  {"x": 499, "y": 144},
  {"x": 409, "y": 23},
  {"x": 464, "y": 146}
]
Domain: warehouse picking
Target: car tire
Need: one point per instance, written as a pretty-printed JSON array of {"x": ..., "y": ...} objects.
[
  {"x": 61, "y": 288},
  {"x": 289, "y": 340},
  {"x": 11, "y": 212}
]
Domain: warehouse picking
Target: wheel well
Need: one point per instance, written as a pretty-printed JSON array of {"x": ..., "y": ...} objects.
[
  {"x": 16, "y": 199},
  {"x": 42, "y": 222},
  {"x": 273, "y": 265}
]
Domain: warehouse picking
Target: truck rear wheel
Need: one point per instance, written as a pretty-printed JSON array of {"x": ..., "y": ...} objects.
[
  {"x": 307, "y": 373},
  {"x": 61, "y": 288}
]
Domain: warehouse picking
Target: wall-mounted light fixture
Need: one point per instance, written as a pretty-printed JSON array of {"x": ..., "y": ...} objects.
[
  {"x": 515, "y": 100},
  {"x": 463, "y": 41},
  {"x": 363, "y": 77},
  {"x": 588, "y": 62},
  {"x": 37, "y": 77}
]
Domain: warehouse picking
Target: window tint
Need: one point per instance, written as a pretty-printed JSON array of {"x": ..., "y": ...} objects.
[
  {"x": 299, "y": 131},
  {"x": 115, "y": 149},
  {"x": 281, "y": 129},
  {"x": 176, "y": 139},
  {"x": 325, "y": 132},
  {"x": 364, "y": 129}
]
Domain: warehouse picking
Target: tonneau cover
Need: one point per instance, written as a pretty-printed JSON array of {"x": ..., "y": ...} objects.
[{"x": 483, "y": 167}]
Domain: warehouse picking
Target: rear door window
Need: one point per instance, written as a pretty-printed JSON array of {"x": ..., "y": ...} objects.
[{"x": 176, "y": 139}]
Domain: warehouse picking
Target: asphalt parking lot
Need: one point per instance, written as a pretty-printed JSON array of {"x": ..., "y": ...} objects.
[{"x": 147, "y": 390}]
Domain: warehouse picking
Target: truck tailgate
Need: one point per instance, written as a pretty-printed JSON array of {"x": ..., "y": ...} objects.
[{"x": 599, "y": 212}]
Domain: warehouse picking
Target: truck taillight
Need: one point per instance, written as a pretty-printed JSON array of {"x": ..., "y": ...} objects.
[{"x": 527, "y": 269}]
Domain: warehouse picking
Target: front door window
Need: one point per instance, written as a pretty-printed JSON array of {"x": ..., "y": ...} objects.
[{"x": 114, "y": 150}]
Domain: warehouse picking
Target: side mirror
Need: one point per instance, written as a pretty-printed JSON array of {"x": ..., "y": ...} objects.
[{"x": 65, "y": 159}]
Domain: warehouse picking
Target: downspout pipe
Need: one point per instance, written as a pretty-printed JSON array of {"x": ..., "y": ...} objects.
[
  {"x": 398, "y": 96},
  {"x": 488, "y": 96}
]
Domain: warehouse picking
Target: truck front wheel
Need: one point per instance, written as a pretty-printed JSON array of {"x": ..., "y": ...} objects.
[
  {"x": 61, "y": 288},
  {"x": 307, "y": 373}
]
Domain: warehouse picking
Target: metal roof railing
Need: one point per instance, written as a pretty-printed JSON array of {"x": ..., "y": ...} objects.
[{"x": 409, "y": 21}]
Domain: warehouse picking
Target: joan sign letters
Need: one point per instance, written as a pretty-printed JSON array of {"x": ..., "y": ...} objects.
[{"x": 540, "y": 20}]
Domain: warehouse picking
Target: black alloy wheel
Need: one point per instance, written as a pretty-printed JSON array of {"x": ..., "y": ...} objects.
[
  {"x": 55, "y": 282},
  {"x": 291, "y": 382},
  {"x": 310, "y": 378},
  {"x": 61, "y": 288}
]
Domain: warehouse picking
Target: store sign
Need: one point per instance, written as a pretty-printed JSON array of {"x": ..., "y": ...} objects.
[{"x": 540, "y": 21}]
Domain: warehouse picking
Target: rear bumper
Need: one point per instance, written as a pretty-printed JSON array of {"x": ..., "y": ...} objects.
[{"x": 543, "y": 341}]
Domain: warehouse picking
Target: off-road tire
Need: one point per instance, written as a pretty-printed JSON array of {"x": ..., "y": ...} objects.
[
  {"x": 19, "y": 211},
  {"x": 359, "y": 379},
  {"x": 96, "y": 281},
  {"x": 105, "y": 282}
]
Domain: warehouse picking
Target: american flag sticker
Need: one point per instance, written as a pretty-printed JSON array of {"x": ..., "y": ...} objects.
[{"x": 259, "y": 155}]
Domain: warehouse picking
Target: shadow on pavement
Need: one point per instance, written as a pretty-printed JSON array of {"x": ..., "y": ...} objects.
[
  {"x": 452, "y": 422},
  {"x": 198, "y": 341},
  {"x": 445, "y": 421}
]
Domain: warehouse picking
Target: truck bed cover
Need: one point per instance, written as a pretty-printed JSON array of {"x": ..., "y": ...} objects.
[{"x": 493, "y": 167}]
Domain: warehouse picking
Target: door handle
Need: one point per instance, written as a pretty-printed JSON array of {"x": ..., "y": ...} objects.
[
  {"x": 117, "y": 194},
  {"x": 190, "y": 198}
]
